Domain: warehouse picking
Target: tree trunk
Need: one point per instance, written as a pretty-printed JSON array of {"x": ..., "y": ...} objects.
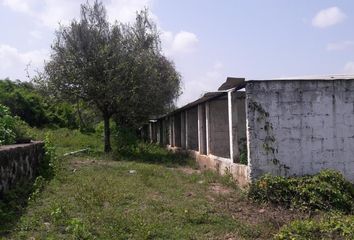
[
  {"x": 82, "y": 123},
  {"x": 107, "y": 134}
]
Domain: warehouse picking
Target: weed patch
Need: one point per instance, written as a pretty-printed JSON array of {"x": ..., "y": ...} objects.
[
  {"x": 327, "y": 190},
  {"x": 152, "y": 153},
  {"x": 332, "y": 226}
]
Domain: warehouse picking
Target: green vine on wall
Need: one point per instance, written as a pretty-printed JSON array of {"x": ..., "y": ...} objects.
[{"x": 269, "y": 141}]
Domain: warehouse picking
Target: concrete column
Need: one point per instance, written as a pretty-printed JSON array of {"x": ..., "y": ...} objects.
[
  {"x": 186, "y": 125},
  {"x": 201, "y": 129},
  {"x": 229, "y": 105},
  {"x": 150, "y": 132},
  {"x": 158, "y": 133},
  {"x": 169, "y": 122},
  {"x": 207, "y": 128}
]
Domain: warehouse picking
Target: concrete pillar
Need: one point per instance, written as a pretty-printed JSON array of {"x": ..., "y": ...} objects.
[
  {"x": 158, "y": 132},
  {"x": 207, "y": 130},
  {"x": 150, "y": 132},
  {"x": 169, "y": 124},
  {"x": 186, "y": 125},
  {"x": 229, "y": 106},
  {"x": 201, "y": 129}
]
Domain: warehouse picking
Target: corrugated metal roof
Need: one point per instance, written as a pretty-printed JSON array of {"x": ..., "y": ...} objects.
[
  {"x": 310, "y": 77},
  {"x": 230, "y": 83}
]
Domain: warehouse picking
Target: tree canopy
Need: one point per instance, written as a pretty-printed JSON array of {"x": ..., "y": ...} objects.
[{"x": 118, "y": 68}]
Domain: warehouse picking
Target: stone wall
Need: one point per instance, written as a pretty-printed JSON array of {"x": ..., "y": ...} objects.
[
  {"x": 299, "y": 127},
  {"x": 19, "y": 163}
]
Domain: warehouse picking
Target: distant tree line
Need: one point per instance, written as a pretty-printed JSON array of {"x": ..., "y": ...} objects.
[{"x": 37, "y": 109}]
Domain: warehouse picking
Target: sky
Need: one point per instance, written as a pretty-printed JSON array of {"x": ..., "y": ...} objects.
[{"x": 208, "y": 40}]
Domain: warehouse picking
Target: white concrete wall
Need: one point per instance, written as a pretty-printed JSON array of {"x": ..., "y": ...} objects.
[{"x": 300, "y": 127}]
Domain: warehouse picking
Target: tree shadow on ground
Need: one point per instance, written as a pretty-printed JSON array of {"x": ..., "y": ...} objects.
[{"x": 155, "y": 154}]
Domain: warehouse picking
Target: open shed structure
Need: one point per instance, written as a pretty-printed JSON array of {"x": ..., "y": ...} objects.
[{"x": 290, "y": 126}]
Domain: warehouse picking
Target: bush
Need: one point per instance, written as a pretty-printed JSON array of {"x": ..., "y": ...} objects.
[
  {"x": 38, "y": 110},
  {"x": 126, "y": 140},
  {"x": 50, "y": 165},
  {"x": 12, "y": 129},
  {"x": 327, "y": 190},
  {"x": 334, "y": 226},
  {"x": 7, "y": 125}
]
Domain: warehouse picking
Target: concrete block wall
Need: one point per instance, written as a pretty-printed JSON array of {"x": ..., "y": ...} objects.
[
  {"x": 299, "y": 127},
  {"x": 238, "y": 124},
  {"x": 183, "y": 129},
  {"x": 19, "y": 163},
  {"x": 192, "y": 128},
  {"x": 218, "y": 127},
  {"x": 177, "y": 130}
]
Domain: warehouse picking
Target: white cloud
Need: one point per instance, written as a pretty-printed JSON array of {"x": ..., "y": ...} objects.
[
  {"x": 349, "y": 67},
  {"x": 50, "y": 13},
  {"x": 328, "y": 17},
  {"x": 18, "y": 5},
  {"x": 180, "y": 43},
  {"x": 339, "y": 46},
  {"x": 125, "y": 10},
  {"x": 14, "y": 62}
]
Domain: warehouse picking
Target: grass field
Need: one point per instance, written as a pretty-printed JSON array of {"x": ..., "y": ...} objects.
[{"x": 98, "y": 196}]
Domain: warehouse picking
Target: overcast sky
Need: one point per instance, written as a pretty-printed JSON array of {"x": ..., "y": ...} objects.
[{"x": 208, "y": 40}]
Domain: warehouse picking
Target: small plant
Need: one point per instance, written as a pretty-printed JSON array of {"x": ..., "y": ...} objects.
[
  {"x": 244, "y": 157},
  {"x": 77, "y": 227},
  {"x": 334, "y": 226},
  {"x": 327, "y": 190},
  {"x": 38, "y": 186},
  {"x": 50, "y": 165}
]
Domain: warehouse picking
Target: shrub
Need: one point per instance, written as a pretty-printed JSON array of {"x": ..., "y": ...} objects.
[
  {"x": 334, "y": 226},
  {"x": 7, "y": 125},
  {"x": 50, "y": 165},
  {"x": 126, "y": 140},
  {"x": 22, "y": 131},
  {"x": 327, "y": 190},
  {"x": 24, "y": 100}
]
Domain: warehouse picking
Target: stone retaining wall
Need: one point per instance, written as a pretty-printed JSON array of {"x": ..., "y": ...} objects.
[{"x": 19, "y": 163}]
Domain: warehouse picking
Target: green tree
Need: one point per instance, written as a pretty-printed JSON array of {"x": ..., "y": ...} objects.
[{"x": 117, "y": 67}]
